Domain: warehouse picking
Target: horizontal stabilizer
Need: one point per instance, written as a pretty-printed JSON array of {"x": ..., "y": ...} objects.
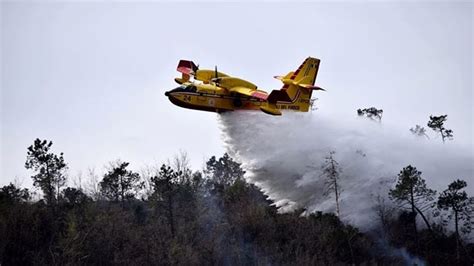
[
  {"x": 186, "y": 68},
  {"x": 288, "y": 76},
  {"x": 311, "y": 87}
]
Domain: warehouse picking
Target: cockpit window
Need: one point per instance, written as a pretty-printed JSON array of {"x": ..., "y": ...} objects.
[
  {"x": 190, "y": 88},
  {"x": 185, "y": 88}
]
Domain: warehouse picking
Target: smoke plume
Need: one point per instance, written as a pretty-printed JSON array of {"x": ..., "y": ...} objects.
[{"x": 283, "y": 156}]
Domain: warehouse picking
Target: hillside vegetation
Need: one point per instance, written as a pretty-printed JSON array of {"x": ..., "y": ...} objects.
[{"x": 173, "y": 215}]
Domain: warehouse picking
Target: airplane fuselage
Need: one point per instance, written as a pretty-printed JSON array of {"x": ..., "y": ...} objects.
[{"x": 217, "y": 102}]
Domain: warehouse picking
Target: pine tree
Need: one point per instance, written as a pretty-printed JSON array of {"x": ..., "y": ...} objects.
[
  {"x": 120, "y": 184},
  {"x": 372, "y": 113},
  {"x": 436, "y": 123},
  {"x": 411, "y": 192},
  {"x": 12, "y": 194},
  {"x": 224, "y": 171},
  {"x": 461, "y": 206},
  {"x": 164, "y": 192},
  {"x": 50, "y": 169}
]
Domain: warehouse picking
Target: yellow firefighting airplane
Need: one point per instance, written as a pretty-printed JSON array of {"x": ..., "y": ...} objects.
[{"x": 219, "y": 92}]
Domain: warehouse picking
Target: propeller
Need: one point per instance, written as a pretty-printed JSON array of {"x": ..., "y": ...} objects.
[{"x": 216, "y": 76}]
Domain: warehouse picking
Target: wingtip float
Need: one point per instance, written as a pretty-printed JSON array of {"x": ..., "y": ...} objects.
[{"x": 215, "y": 91}]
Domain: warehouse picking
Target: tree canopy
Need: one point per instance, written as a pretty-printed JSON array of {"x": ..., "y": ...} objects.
[
  {"x": 436, "y": 123},
  {"x": 120, "y": 184},
  {"x": 411, "y": 192},
  {"x": 49, "y": 167},
  {"x": 372, "y": 113}
]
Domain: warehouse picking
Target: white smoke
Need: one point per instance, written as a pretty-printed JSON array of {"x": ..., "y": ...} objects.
[{"x": 283, "y": 156}]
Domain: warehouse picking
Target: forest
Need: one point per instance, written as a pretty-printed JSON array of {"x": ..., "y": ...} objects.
[{"x": 173, "y": 215}]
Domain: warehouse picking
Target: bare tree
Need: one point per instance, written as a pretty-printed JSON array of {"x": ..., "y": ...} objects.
[
  {"x": 92, "y": 184},
  {"x": 419, "y": 131},
  {"x": 181, "y": 164},
  {"x": 77, "y": 180},
  {"x": 147, "y": 173},
  {"x": 384, "y": 212},
  {"x": 332, "y": 172}
]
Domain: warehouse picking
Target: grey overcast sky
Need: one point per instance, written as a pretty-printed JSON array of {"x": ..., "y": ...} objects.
[{"x": 91, "y": 76}]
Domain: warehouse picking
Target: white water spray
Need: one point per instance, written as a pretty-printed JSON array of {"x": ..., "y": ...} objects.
[{"x": 283, "y": 156}]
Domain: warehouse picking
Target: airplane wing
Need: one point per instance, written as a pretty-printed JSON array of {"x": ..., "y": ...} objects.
[
  {"x": 230, "y": 82},
  {"x": 207, "y": 75},
  {"x": 241, "y": 86},
  {"x": 250, "y": 92}
]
